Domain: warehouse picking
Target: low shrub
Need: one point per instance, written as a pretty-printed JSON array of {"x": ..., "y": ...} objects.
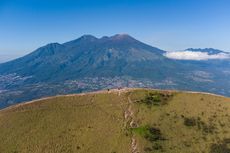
[
  {"x": 149, "y": 133},
  {"x": 219, "y": 148},
  {"x": 189, "y": 121},
  {"x": 156, "y": 98}
]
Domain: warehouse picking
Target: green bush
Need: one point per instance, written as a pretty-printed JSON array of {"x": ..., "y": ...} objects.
[{"x": 156, "y": 98}]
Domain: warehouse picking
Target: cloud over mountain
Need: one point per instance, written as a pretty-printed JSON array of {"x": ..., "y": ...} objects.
[{"x": 196, "y": 55}]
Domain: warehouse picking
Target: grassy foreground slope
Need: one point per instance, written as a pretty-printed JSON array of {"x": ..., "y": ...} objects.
[{"x": 118, "y": 121}]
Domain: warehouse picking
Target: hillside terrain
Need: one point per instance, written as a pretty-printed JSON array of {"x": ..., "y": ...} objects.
[
  {"x": 89, "y": 64},
  {"x": 118, "y": 121}
]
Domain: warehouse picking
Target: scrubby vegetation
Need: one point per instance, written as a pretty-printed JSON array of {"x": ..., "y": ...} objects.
[
  {"x": 206, "y": 128},
  {"x": 222, "y": 147},
  {"x": 151, "y": 134},
  {"x": 189, "y": 121},
  {"x": 69, "y": 124},
  {"x": 101, "y": 123},
  {"x": 156, "y": 98}
]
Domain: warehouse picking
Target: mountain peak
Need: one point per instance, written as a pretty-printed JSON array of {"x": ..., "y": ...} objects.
[
  {"x": 85, "y": 38},
  {"x": 88, "y": 37},
  {"x": 50, "y": 45},
  {"x": 121, "y": 36}
]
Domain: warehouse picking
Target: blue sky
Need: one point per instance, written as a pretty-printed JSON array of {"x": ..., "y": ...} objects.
[{"x": 168, "y": 24}]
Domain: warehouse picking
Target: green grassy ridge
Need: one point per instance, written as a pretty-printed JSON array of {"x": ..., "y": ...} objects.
[{"x": 94, "y": 122}]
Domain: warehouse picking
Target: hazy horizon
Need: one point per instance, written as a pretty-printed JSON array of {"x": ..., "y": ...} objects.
[{"x": 8, "y": 57}]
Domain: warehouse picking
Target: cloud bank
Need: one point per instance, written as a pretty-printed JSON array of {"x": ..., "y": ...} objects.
[{"x": 191, "y": 55}]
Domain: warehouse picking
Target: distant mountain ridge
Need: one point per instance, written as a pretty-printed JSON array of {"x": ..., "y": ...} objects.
[
  {"x": 82, "y": 56},
  {"x": 89, "y": 63},
  {"x": 210, "y": 51}
]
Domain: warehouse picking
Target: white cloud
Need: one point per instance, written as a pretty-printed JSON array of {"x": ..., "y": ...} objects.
[{"x": 190, "y": 55}]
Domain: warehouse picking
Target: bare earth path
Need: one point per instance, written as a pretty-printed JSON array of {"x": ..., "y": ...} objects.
[{"x": 130, "y": 123}]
